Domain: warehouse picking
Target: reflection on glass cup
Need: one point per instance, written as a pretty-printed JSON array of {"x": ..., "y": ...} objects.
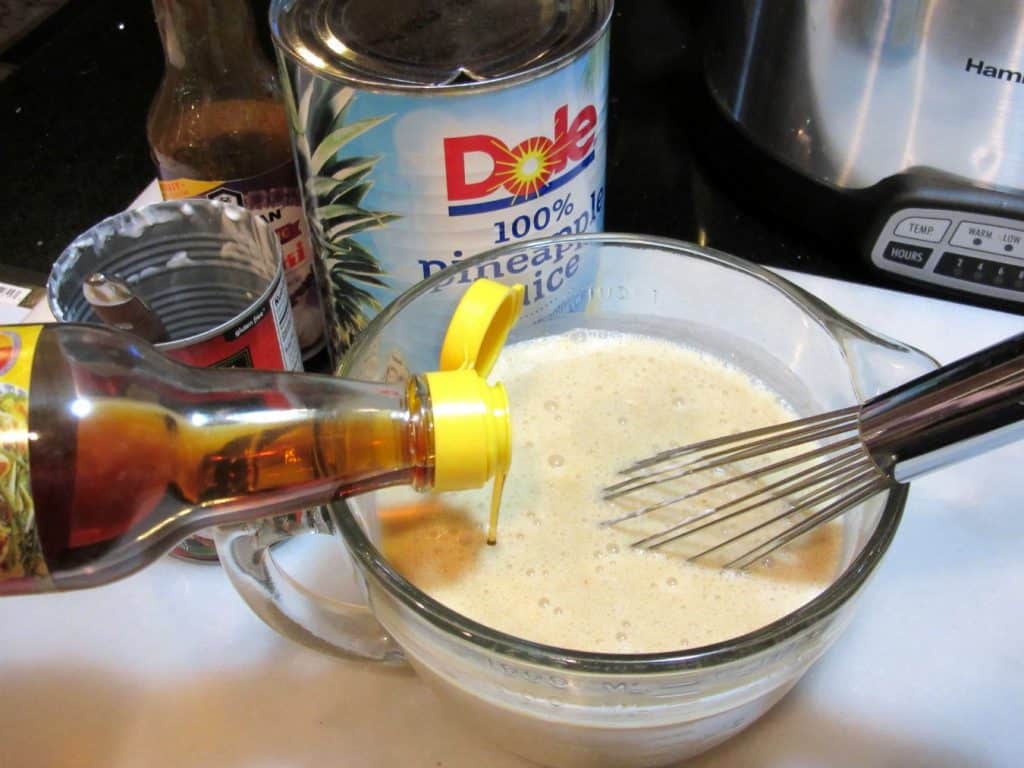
[{"x": 563, "y": 707}]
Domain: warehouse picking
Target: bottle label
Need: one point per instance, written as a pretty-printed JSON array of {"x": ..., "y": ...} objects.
[
  {"x": 21, "y": 552},
  {"x": 262, "y": 336},
  {"x": 274, "y": 197}
]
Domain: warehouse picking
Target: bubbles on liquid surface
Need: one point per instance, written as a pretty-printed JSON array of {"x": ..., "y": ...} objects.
[{"x": 613, "y": 419}]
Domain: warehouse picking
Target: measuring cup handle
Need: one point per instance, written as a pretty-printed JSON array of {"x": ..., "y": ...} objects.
[{"x": 326, "y": 625}]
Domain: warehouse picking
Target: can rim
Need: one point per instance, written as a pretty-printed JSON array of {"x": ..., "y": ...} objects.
[
  {"x": 461, "y": 81},
  {"x": 162, "y": 212}
]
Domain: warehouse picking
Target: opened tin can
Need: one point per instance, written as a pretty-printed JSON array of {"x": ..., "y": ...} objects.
[
  {"x": 426, "y": 132},
  {"x": 212, "y": 275}
]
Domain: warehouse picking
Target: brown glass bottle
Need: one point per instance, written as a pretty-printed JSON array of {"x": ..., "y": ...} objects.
[
  {"x": 218, "y": 129},
  {"x": 111, "y": 453}
]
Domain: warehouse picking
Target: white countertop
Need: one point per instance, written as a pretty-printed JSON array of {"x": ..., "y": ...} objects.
[{"x": 169, "y": 667}]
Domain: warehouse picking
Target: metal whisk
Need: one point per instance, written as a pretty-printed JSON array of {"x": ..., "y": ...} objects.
[{"x": 815, "y": 469}]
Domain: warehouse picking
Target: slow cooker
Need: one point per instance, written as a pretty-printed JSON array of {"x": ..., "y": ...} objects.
[{"x": 890, "y": 127}]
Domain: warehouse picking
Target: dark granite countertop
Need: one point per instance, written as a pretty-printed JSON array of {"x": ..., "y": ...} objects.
[{"x": 74, "y": 147}]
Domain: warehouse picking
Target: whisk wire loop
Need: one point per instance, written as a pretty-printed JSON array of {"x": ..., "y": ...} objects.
[
  {"x": 840, "y": 469},
  {"x": 733, "y": 448},
  {"x": 822, "y": 516},
  {"x": 831, "y": 461},
  {"x": 805, "y": 426}
]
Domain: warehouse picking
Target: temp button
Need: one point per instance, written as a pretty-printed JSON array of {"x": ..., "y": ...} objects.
[
  {"x": 921, "y": 228},
  {"x": 904, "y": 253}
]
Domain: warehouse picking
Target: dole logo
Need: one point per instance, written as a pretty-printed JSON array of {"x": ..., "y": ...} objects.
[{"x": 523, "y": 170}]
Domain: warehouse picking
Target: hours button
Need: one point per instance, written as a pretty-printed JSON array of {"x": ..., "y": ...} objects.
[{"x": 905, "y": 253}]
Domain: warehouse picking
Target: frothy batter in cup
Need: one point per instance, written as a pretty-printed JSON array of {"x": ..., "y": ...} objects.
[{"x": 584, "y": 405}]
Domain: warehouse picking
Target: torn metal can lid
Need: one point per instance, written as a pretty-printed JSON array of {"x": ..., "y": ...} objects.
[{"x": 449, "y": 44}]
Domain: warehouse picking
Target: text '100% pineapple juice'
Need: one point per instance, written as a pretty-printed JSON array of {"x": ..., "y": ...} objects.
[{"x": 428, "y": 132}]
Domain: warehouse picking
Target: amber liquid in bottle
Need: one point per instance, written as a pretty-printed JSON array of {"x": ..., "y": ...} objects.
[
  {"x": 132, "y": 452},
  {"x": 217, "y": 114},
  {"x": 233, "y": 139}
]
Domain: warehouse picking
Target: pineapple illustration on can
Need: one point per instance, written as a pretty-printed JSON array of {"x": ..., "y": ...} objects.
[{"x": 426, "y": 132}]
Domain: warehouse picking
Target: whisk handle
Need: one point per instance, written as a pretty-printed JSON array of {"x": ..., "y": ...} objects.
[{"x": 953, "y": 413}]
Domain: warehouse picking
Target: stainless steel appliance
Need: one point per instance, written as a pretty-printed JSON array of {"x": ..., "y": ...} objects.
[{"x": 907, "y": 115}]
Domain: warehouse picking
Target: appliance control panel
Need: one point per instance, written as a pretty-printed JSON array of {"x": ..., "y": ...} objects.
[{"x": 960, "y": 250}]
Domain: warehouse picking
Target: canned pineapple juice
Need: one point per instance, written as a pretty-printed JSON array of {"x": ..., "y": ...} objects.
[{"x": 429, "y": 131}]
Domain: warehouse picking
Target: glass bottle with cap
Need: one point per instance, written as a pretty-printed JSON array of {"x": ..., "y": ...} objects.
[
  {"x": 110, "y": 453},
  {"x": 218, "y": 129}
]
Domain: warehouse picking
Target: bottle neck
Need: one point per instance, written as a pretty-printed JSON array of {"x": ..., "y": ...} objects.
[
  {"x": 323, "y": 439},
  {"x": 213, "y": 37},
  {"x": 420, "y": 433}
]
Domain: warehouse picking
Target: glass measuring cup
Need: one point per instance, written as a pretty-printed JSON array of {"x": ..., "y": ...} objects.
[{"x": 564, "y": 707}]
